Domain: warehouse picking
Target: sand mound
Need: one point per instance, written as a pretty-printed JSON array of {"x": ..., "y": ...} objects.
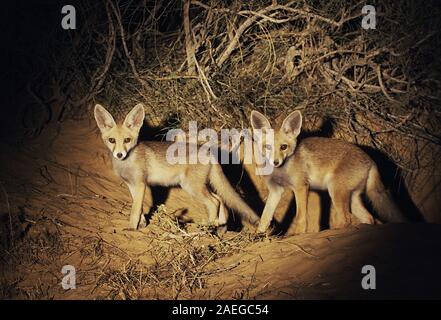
[{"x": 63, "y": 206}]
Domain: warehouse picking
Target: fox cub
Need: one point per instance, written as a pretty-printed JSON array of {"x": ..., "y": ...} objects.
[
  {"x": 339, "y": 167},
  {"x": 144, "y": 164}
]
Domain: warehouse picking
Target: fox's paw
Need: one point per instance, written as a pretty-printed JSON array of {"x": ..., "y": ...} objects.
[
  {"x": 221, "y": 230},
  {"x": 142, "y": 222},
  {"x": 130, "y": 229},
  {"x": 133, "y": 224},
  {"x": 299, "y": 228},
  {"x": 262, "y": 232},
  {"x": 342, "y": 224},
  {"x": 262, "y": 236},
  {"x": 262, "y": 228},
  {"x": 210, "y": 223}
]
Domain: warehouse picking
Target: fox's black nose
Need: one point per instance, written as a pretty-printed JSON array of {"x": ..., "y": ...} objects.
[
  {"x": 119, "y": 155},
  {"x": 276, "y": 163}
]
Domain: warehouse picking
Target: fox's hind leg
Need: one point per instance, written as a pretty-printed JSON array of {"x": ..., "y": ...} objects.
[
  {"x": 212, "y": 205},
  {"x": 359, "y": 210},
  {"x": 201, "y": 192},
  {"x": 223, "y": 215},
  {"x": 341, "y": 200},
  {"x": 301, "y": 193}
]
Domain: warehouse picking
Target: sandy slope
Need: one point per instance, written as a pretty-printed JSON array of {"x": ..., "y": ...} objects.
[{"x": 65, "y": 206}]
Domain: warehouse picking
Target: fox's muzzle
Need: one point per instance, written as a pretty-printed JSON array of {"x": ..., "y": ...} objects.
[
  {"x": 120, "y": 155},
  {"x": 277, "y": 163}
]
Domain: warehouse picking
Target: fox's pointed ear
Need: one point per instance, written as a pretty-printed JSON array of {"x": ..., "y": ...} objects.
[
  {"x": 135, "y": 118},
  {"x": 103, "y": 118},
  {"x": 293, "y": 123},
  {"x": 259, "y": 121}
]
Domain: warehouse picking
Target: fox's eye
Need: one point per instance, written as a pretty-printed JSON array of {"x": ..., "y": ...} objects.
[
  {"x": 268, "y": 146},
  {"x": 112, "y": 140},
  {"x": 127, "y": 140},
  {"x": 283, "y": 147}
]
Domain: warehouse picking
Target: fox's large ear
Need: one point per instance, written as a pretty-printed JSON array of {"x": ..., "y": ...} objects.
[
  {"x": 293, "y": 123},
  {"x": 103, "y": 118},
  {"x": 259, "y": 121},
  {"x": 135, "y": 118}
]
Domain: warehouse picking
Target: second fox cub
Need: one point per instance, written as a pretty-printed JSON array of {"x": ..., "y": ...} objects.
[
  {"x": 339, "y": 167},
  {"x": 144, "y": 164}
]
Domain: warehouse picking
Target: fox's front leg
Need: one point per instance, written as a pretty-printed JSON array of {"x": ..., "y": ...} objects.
[
  {"x": 137, "y": 191},
  {"x": 275, "y": 193},
  {"x": 147, "y": 205}
]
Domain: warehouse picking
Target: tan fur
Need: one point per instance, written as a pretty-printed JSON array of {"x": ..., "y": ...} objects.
[
  {"x": 339, "y": 167},
  {"x": 144, "y": 164}
]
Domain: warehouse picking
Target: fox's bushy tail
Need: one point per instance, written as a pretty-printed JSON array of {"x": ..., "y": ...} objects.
[
  {"x": 224, "y": 189},
  {"x": 381, "y": 199}
]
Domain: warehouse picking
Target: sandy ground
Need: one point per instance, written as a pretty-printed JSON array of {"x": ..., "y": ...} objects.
[{"x": 64, "y": 206}]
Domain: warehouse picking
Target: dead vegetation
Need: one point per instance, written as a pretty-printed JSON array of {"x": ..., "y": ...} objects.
[
  {"x": 213, "y": 62},
  {"x": 181, "y": 261}
]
